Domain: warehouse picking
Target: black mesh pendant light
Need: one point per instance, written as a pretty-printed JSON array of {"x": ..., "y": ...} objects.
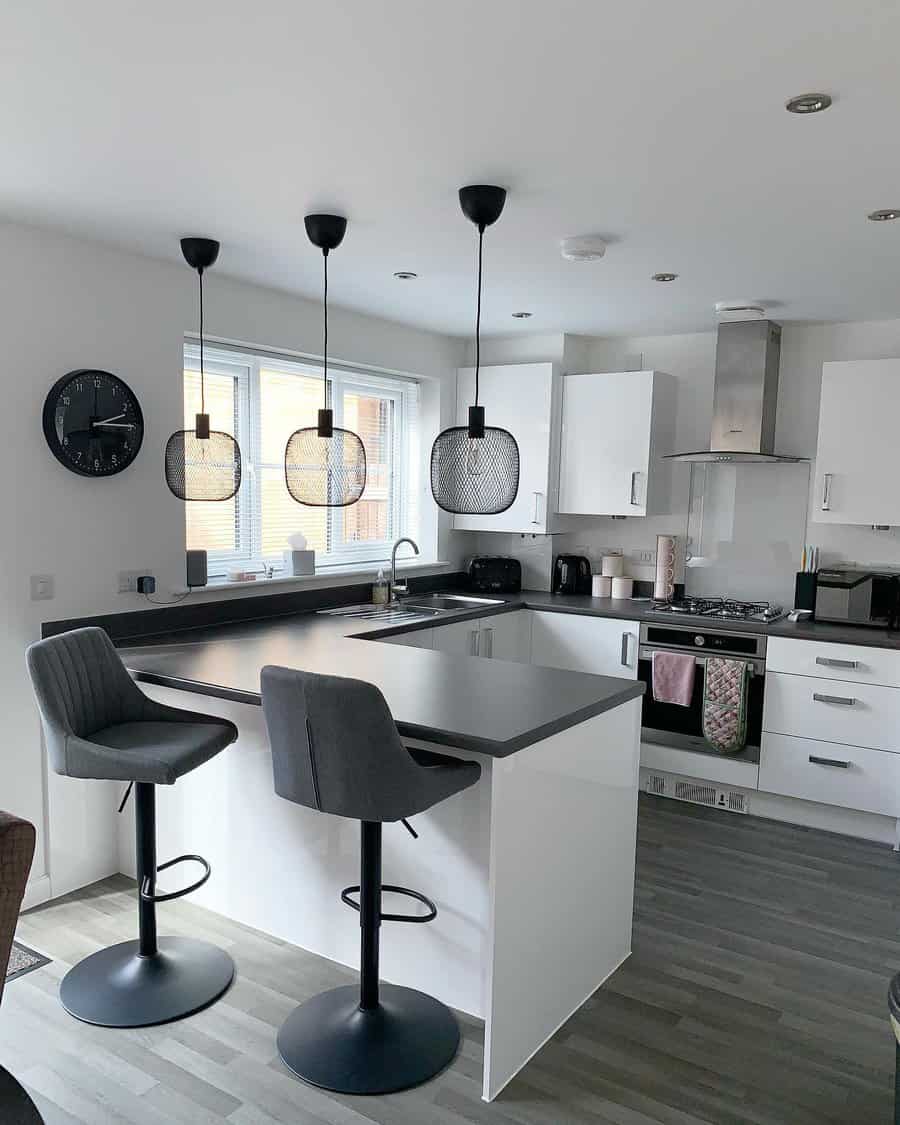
[
  {"x": 202, "y": 464},
  {"x": 324, "y": 465},
  {"x": 475, "y": 468}
]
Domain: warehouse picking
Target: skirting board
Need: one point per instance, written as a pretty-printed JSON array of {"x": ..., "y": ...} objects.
[
  {"x": 809, "y": 814},
  {"x": 36, "y": 892}
]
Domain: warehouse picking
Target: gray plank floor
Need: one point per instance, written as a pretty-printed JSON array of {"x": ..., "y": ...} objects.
[{"x": 756, "y": 993}]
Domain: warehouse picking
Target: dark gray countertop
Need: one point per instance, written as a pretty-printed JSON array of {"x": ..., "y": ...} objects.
[{"x": 489, "y": 706}]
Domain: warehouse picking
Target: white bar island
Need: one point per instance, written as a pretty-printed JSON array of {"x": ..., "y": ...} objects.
[{"x": 532, "y": 869}]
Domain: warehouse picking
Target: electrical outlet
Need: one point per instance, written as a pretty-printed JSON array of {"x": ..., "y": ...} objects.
[
  {"x": 128, "y": 580},
  {"x": 644, "y": 558},
  {"x": 42, "y": 587}
]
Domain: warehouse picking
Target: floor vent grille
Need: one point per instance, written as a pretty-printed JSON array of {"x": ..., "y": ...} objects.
[{"x": 695, "y": 792}]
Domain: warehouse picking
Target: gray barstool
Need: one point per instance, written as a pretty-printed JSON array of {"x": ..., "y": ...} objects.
[
  {"x": 99, "y": 724},
  {"x": 335, "y": 749}
]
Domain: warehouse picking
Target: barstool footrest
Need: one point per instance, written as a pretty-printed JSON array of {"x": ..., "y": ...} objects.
[
  {"x": 429, "y": 917},
  {"x": 149, "y": 896}
]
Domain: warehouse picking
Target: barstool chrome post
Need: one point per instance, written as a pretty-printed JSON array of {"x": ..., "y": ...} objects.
[
  {"x": 369, "y": 913},
  {"x": 145, "y": 839}
]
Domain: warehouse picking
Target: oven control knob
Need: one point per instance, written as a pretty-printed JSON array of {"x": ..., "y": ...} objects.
[{"x": 699, "y": 639}]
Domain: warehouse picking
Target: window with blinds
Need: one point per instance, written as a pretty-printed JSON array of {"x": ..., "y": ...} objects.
[{"x": 261, "y": 400}]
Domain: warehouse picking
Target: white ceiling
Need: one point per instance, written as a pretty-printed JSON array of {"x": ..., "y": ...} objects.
[{"x": 660, "y": 125}]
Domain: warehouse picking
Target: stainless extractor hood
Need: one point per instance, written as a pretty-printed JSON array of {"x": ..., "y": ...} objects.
[{"x": 745, "y": 396}]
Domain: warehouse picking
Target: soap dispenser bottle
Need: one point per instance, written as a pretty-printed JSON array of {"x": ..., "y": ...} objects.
[{"x": 381, "y": 589}]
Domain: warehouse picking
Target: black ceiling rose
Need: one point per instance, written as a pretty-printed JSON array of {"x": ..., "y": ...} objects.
[
  {"x": 482, "y": 203},
  {"x": 475, "y": 468},
  {"x": 325, "y": 465},
  {"x": 202, "y": 463}
]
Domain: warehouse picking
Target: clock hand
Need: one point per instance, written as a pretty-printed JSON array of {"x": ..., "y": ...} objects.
[
  {"x": 115, "y": 425},
  {"x": 106, "y": 421}
]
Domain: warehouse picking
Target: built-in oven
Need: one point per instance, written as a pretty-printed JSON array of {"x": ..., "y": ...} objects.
[{"x": 682, "y": 727}]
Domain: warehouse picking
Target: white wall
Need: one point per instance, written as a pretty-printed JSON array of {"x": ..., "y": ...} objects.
[{"x": 66, "y": 304}]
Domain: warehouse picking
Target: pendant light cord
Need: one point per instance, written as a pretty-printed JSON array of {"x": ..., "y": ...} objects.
[
  {"x": 325, "y": 346},
  {"x": 478, "y": 314},
  {"x": 202, "y": 375}
]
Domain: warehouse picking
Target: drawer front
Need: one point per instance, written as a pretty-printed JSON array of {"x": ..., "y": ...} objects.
[
  {"x": 850, "y": 713},
  {"x": 850, "y": 776},
  {"x": 855, "y": 663}
]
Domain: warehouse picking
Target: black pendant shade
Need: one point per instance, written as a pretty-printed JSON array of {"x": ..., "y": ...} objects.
[
  {"x": 325, "y": 465},
  {"x": 202, "y": 464},
  {"x": 475, "y": 468}
]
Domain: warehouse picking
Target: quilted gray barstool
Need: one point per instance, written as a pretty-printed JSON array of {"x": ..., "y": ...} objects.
[
  {"x": 99, "y": 724},
  {"x": 335, "y": 749}
]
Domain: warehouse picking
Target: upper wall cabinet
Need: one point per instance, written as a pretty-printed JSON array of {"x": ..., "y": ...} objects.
[
  {"x": 616, "y": 428},
  {"x": 524, "y": 399},
  {"x": 856, "y": 458}
]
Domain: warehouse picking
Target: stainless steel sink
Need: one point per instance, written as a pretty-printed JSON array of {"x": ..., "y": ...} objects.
[
  {"x": 385, "y": 613},
  {"x": 449, "y": 602}
]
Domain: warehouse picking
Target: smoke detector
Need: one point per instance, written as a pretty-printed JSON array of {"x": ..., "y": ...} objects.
[
  {"x": 740, "y": 310},
  {"x": 583, "y": 248}
]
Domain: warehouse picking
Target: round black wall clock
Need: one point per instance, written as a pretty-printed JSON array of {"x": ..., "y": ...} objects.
[{"x": 93, "y": 423}]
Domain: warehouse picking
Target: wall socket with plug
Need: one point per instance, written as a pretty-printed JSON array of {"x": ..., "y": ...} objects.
[
  {"x": 128, "y": 580},
  {"x": 643, "y": 557}
]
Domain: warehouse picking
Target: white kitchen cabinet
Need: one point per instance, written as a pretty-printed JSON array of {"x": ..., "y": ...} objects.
[
  {"x": 502, "y": 636},
  {"x": 415, "y": 638},
  {"x": 856, "y": 457},
  {"x": 603, "y": 645},
  {"x": 616, "y": 429},
  {"x": 526, "y": 400}
]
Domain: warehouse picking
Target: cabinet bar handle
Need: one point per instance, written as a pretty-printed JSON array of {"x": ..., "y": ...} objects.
[
  {"x": 816, "y": 761},
  {"x": 832, "y": 662},
  {"x": 625, "y": 663},
  {"x": 489, "y": 641},
  {"x": 474, "y": 642},
  {"x": 537, "y": 505},
  {"x": 634, "y": 489},
  {"x": 843, "y": 700},
  {"x": 826, "y": 492}
]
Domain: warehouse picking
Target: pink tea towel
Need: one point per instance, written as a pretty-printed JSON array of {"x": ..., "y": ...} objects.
[{"x": 673, "y": 677}]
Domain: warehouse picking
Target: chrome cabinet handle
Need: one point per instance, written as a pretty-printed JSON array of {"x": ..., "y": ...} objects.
[
  {"x": 624, "y": 659},
  {"x": 832, "y": 662},
  {"x": 537, "y": 505},
  {"x": 474, "y": 642},
  {"x": 488, "y": 635},
  {"x": 634, "y": 499},
  {"x": 817, "y": 761},
  {"x": 843, "y": 700},
  {"x": 826, "y": 492}
]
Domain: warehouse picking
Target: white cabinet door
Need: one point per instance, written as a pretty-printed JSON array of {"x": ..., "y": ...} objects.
[
  {"x": 525, "y": 400},
  {"x": 459, "y": 638},
  {"x": 856, "y": 457},
  {"x": 507, "y": 636},
  {"x": 615, "y": 430},
  {"x": 601, "y": 645},
  {"x": 417, "y": 638}
]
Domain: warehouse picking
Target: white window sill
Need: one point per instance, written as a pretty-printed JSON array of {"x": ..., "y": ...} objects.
[{"x": 326, "y": 576}]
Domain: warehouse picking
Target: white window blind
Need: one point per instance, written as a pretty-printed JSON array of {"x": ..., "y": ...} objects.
[{"x": 262, "y": 399}]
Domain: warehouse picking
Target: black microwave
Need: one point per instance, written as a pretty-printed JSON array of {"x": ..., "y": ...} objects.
[{"x": 858, "y": 597}]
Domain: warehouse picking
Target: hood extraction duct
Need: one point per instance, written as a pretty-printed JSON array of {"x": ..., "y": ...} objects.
[{"x": 745, "y": 399}]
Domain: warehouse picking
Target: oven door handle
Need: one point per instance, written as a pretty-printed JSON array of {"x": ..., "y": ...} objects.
[{"x": 757, "y": 668}]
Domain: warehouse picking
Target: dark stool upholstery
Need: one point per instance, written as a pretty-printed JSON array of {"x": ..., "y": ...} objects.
[
  {"x": 335, "y": 749},
  {"x": 16, "y": 853},
  {"x": 99, "y": 724},
  {"x": 894, "y": 1009}
]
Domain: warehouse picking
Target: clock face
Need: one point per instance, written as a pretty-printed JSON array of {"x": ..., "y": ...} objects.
[{"x": 93, "y": 423}]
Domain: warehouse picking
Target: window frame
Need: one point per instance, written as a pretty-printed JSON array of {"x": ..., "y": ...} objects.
[{"x": 245, "y": 366}]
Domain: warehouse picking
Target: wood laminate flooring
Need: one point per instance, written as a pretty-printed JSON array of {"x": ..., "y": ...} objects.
[{"x": 756, "y": 993}]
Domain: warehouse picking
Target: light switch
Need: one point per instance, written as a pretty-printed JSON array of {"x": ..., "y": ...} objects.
[{"x": 41, "y": 587}]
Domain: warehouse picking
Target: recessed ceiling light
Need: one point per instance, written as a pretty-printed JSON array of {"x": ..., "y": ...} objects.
[
  {"x": 664, "y": 276},
  {"x": 522, "y": 315},
  {"x": 583, "y": 248},
  {"x": 808, "y": 103},
  {"x": 884, "y": 215},
  {"x": 405, "y": 275}
]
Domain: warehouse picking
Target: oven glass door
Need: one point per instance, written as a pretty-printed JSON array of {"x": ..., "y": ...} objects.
[{"x": 682, "y": 727}]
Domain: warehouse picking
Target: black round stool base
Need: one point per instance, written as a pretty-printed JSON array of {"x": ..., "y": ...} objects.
[
  {"x": 118, "y": 988},
  {"x": 330, "y": 1042}
]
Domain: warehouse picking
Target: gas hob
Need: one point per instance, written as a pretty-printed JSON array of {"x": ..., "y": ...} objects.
[{"x": 722, "y": 608}]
